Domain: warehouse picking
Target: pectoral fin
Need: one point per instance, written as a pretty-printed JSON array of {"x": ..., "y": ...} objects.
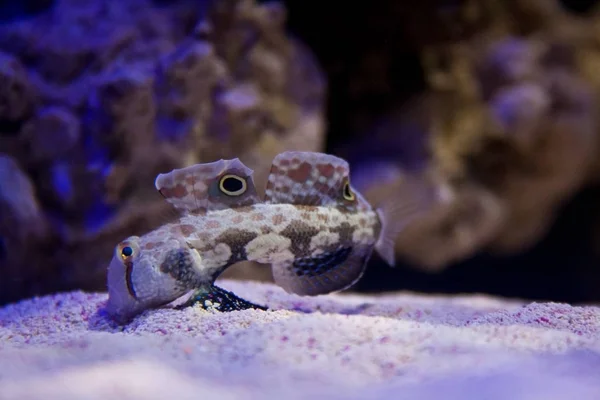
[
  {"x": 324, "y": 273},
  {"x": 216, "y": 298}
]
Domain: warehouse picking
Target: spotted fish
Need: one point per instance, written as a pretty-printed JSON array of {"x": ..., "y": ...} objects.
[{"x": 312, "y": 227}]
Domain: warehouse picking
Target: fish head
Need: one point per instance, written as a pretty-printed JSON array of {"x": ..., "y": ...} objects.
[
  {"x": 161, "y": 266},
  {"x": 147, "y": 273}
]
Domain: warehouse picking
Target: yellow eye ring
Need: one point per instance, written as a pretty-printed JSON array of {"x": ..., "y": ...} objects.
[
  {"x": 232, "y": 185},
  {"x": 347, "y": 192}
]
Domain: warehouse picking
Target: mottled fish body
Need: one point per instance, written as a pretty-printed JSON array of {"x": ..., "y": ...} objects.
[
  {"x": 284, "y": 235},
  {"x": 315, "y": 230}
]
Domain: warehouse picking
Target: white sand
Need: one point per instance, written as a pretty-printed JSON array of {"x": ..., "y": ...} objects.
[{"x": 402, "y": 346}]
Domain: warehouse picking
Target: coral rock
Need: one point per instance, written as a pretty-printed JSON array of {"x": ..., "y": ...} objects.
[
  {"x": 17, "y": 96},
  {"x": 19, "y": 202},
  {"x": 24, "y": 232},
  {"x": 51, "y": 133}
]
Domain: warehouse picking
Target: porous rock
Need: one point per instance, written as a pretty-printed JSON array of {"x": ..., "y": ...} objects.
[{"x": 51, "y": 133}]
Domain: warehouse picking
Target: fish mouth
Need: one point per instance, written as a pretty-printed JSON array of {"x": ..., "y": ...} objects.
[{"x": 129, "y": 279}]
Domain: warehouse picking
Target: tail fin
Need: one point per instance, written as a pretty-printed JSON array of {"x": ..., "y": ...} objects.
[{"x": 407, "y": 200}]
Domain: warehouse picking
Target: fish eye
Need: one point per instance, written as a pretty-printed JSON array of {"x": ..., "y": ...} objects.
[
  {"x": 126, "y": 252},
  {"x": 232, "y": 185},
  {"x": 348, "y": 194}
]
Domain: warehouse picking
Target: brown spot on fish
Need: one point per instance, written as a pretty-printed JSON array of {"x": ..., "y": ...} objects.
[
  {"x": 284, "y": 162},
  {"x": 340, "y": 169},
  {"x": 236, "y": 239},
  {"x": 265, "y": 229},
  {"x": 305, "y": 216},
  {"x": 303, "y": 207},
  {"x": 315, "y": 199},
  {"x": 326, "y": 170},
  {"x": 150, "y": 245},
  {"x": 202, "y": 241},
  {"x": 198, "y": 194},
  {"x": 238, "y": 219},
  {"x": 300, "y": 235},
  {"x": 278, "y": 219},
  {"x": 323, "y": 217},
  {"x": 322, "y": 187},
  {"x": 187, "y": 229},
  {"x": 212, "y": 224},
  {"x": 190, "y": 180},
  {"x": 345, "y": 230},
  {"x": 257, "y": 217},
  {"x": 244, "y": 209},
  {"x": 362, "y": 222},
  {"x": 301, "y": 173},
  {"x": 179, "y": 191}
]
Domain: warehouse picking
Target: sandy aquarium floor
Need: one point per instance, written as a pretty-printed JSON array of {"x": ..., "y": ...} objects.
[{"x": 404, "y": 346}]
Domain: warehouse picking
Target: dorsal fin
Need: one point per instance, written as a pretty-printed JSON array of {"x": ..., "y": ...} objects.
[
  {"x": 210, "y": 186},
  {"x": 307, "y": 178}
]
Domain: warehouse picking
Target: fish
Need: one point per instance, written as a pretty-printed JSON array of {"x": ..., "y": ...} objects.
[{"x": 312, "y": 227}]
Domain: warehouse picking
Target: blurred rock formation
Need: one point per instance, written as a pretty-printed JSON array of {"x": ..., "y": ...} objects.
[
  {"x": 99, "y": 96},
  {"x": 507, "y": 124}
]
